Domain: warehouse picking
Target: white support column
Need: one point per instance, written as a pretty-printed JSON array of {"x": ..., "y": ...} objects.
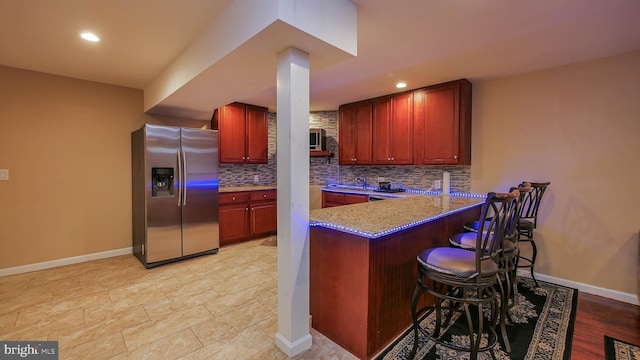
[{"x": 293, "y": 201}]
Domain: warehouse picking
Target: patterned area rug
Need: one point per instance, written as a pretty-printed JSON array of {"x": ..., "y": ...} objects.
[
  {"x": 542, "y": 328},
  {"x": 615, "y": 349}
]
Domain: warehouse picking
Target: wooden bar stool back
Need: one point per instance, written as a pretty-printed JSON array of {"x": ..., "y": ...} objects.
[
  {"x": 528, "y": 223},
  {"x": 459, "y": 279}
]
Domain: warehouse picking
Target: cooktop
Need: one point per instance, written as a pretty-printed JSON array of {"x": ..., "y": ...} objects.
[{"x": 389, "y": 190}]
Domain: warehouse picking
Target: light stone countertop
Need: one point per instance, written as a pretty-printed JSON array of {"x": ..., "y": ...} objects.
[
  {"x": 379, "y": 218},
  {"x": 246, "y": 188}
]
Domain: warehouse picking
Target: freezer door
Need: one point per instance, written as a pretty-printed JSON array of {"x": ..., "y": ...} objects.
[
  {"x": 162, "y": 181},
  {"x": 200, "y": 197}
]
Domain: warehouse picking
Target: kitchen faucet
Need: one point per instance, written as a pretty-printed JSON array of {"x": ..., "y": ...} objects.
[{"x": 363, "y": 181}]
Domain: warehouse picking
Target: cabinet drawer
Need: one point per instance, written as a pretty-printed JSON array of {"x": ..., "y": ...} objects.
[
  {"x": 355, "y": 199},
  {"x": 330, "y": 197},
  {"x": 234, "y": 197},
  {"x": 264, "y": 195}
]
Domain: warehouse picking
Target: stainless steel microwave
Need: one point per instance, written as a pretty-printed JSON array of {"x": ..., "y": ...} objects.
[{"x": 317, "y": 141}]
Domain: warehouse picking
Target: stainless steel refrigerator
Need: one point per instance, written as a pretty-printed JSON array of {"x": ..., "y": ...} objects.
[{"x": 175, "y": 193}]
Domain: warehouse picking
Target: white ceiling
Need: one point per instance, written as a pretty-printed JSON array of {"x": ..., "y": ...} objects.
[{"x": 422, "y": 42}]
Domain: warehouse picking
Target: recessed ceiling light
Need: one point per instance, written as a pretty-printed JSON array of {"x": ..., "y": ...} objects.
[
  {"x": 401, "y": 85},
  {"x": 89, "y": 37}
]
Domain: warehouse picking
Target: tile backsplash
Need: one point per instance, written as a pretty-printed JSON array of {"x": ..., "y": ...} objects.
[{"x": 322, "y": 173}]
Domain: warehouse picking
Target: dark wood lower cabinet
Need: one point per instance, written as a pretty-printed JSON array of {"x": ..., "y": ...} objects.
[
  {"x": 330, "y": 199},
  {"x": 234, "y": 223},
  {"x": 246, "y": 215},
  {"x": 264, "y": 218}
]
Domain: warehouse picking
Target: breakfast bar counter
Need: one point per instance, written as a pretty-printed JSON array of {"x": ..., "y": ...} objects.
[
  {"x": 379, "y": 218},
  {"x": 363, "y": 264}
]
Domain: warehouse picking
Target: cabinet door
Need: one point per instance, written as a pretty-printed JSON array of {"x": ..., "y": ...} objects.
[
  {"x": 330, "y": 199},
  {"x": 234, "y": 223},
  {"x": 264, "y": 217},
  {"x": 355, "y": 134},
  {"x": 381, "y": 139},
  {"x": 347, "y": 132},
  {"x": 401, "y": 130},
  {"x": 257, "y": 134},
  {"x": 232, "y": 132},
  {"x": 443, "y": 124},
  {"x": 393, "y": 130}
]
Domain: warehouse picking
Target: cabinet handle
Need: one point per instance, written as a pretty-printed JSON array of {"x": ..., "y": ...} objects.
[
  {"x": 247, "y": 209},
  {"x": 252, "y": 209},
  {"x": 233, "y": 198},
  {"x": 264, "y": 195},
  {"x": 455, "y": 156}
]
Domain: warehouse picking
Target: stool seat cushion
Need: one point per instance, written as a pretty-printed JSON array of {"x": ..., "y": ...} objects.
[
  {"x": 475, "y": 225},
  {"x": 465, "y": 240},
  {"x": 525, "y": 225},
  {"x": 458, "y": 263},
  {"x": 508, "y": 247}
]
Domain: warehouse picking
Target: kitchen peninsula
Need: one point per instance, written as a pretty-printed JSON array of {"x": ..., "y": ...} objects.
[{"x": 363, "y": 264}]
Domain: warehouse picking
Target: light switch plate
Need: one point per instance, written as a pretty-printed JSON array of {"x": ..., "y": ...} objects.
[
  {"x": 437, "y": 184},
  {"x": 4, "y": 174}
]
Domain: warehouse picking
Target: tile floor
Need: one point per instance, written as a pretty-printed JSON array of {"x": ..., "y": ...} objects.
[{"x": 220, "y": 306}]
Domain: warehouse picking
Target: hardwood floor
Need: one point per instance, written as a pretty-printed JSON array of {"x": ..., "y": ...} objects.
[
  {"x": 598, "y": 316},
  {"x": 221, "y": 306}
]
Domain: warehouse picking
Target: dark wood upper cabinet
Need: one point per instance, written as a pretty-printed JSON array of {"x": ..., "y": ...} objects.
[
  {"x": 354, "y": 138},
  {"x": 426, "y": 126},
  {"x": 257, "y": 134},
  {"x": 393, "y": 130},
  {"x": 442, "y": 118},
  {"x": 243, "y": 135}
]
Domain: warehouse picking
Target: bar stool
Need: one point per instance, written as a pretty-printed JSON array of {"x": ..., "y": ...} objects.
[
  {"x": 468, "y": 240},
  {"x": 506, "y": 258},
  {"x": 528, "y": 223},
  {"x": 459, "y": 278}
]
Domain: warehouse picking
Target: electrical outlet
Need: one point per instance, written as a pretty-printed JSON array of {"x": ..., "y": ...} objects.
[
  {"x": 437, "y": 184},
  {"x": 381, "y": 179},
  {"x": 256, "y": 178},
  {"x": 4, "y": 174}
]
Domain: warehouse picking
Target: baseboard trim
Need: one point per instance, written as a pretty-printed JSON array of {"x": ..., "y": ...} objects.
[
  {"x": 292, "y": 349},
  {"x": 65, "y": 261},
  {"x": 589, "y": 289}
]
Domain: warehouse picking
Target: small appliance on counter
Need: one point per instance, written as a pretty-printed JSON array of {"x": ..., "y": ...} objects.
[{"x": 389, "y": 187}]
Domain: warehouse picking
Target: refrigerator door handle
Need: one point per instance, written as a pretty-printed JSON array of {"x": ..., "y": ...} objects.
[
  {"x": 184, "y": 173},
  {"x": 179, "y": 178}
]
